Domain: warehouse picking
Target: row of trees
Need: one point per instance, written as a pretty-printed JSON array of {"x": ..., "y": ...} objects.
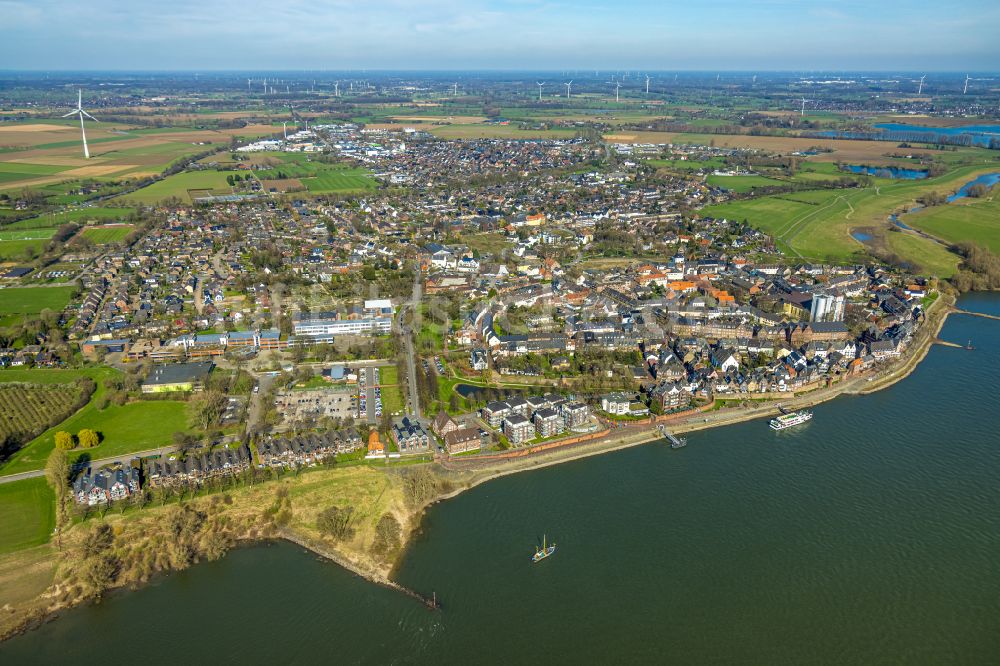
[{"x": 85, "y": 439}]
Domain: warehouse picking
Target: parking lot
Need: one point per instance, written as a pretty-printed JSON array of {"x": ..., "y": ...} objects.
[{"x": 318, "y": 403}]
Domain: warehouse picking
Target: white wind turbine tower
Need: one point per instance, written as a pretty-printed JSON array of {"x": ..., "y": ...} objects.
[
  {"x": 967, "y": 79},
  {"x": 265, "y": 85},
  {"x": 803, "y": 111},
  {"x": 284, "y": 129},
  {"x": 248, "y": 86},
  {"x": 78, "y": 111},
  {"x": 647, "y": 84},
  {"x": 570, "y": 83},
  {"x": 336, "y": 88},
  {"x": 618, "y": 85},
  {"x": 540, "y": 84},
  {"x": 454, "y": 89},
  {"x": 920, "y": 88}
]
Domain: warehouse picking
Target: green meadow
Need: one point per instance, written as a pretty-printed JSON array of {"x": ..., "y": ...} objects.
[
  {"x": 32, "y": 300},
  {"x": 135, "y": 426},
  {"x": 80, "y": 215},
  {"x": 742, "y": 184},
  {"x": 25, "y": 234},
  {"x": 28, "y": 508},
  {"x": 180, "y": 185},
  {"x": 318, "y": 177},
  {"x": 975, "y": 220},
  {"x": 816, "y": 225}
]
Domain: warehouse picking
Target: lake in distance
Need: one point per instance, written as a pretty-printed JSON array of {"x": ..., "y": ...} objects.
[{"x": 869, "y": 535}]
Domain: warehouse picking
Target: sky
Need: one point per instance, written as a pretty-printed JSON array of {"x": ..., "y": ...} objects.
[{"x": 663, "y": 35}]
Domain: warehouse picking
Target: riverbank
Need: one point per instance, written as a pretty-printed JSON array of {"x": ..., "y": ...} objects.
[
  {"x": 289, "y": 508},
  {"x": 937, "y": 315}
]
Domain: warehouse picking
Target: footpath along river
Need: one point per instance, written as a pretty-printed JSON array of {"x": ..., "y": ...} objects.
[{"x": 869, "y": 535}]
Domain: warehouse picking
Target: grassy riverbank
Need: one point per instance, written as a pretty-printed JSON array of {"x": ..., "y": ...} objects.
[{"x": 361, "y": 517}]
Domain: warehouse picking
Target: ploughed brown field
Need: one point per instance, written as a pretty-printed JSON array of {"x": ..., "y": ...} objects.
[{"x": 843, "y": 150}]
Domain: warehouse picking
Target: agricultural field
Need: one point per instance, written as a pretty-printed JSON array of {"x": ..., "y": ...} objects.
[
  {"x": 817, "y": 225},
  {"x": 32, "y": 300},
  {"x": 968, "y": 220},
  {"x": 841, "y": 150},
  {"x": 499, "y": 132},
  {"x": 29, "y": 514},
  {"x": 181, "y": 185},
  {"x": 104, "y": 234},
  {"x": 28, "y": 409},
  {"x": 47, "y": 156},
  {"x": 316, "y": 176}
]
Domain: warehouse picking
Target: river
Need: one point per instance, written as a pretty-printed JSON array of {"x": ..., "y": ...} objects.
[{"x": 869, "y": 535}]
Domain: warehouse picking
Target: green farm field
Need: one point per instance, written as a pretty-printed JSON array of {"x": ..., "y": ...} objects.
[
  {"x": 498, "y": 132},
  {"x": 32, "y": 300},
  {"x": 318, "y": 177},
  {"x": 28, "y": 508},
  {"x": 179, "y": 185}
]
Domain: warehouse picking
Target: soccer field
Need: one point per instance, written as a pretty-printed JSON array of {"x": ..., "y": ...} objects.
[{"x": 107, "y": 234}]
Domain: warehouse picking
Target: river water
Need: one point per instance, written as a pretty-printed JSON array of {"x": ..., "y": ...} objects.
[{"x": 869, "y": 535}]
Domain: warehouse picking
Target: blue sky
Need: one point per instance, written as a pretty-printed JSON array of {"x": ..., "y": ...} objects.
[{"x": 953, "y": 35}]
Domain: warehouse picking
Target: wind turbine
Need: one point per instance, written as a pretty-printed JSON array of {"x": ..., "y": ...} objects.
[
  {"x": 920, "y": 88},
  {"x": 248, "y": 86},
  {"x": 78, "y": 111},
  {"x": 803, "y": 111},
  {"x": 284, "y": 129},
  {"x": 570, "y": 83},
  {"x": 647, "y": 84},
  {"x": 336, "y": 88},
  {"x": 540, "y": 84},
  {"x": 454, "y": 90},
  {"x": 967, "y": 79},
  {"x": 617, "y": 86},
  {"x": 265, "y": 85}
]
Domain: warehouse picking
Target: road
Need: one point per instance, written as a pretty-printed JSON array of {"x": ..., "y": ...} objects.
[
  {"x": 255, "y": 411},
  {"x": 407, "y": 335},
  {"x": 94, "y": 463}
]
